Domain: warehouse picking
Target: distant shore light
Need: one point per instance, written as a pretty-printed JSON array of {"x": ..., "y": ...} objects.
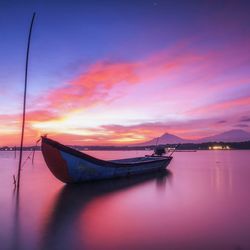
[{"x": 219, "y": 147}]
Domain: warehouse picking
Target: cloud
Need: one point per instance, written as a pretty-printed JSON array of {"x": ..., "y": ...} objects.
[
  {"x": 92, "y": 86},
  {"x": 182, "y": 90},
  {"x": 245, "y": 119},
  {"x": 193, "y": 129},
  {"x": 40, "y": 115},
  {"x": 221, "y": 121},
  {"x": 241, "y": 126},
  {"x": 10, "y": 125},
  {"x": 222, "y": 106}
]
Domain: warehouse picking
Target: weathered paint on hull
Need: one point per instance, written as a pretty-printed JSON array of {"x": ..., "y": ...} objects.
[
  {"x": 81, "y": 170},
  {"x": 72, "y": 169}
]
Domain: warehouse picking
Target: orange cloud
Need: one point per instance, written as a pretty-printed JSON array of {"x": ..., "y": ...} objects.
[
  {"x": 40, "y": 115},
  {"x": 10, "y": 126}
]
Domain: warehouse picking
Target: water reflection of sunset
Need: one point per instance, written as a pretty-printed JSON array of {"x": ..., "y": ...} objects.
[{"x": 203, "y": 201}]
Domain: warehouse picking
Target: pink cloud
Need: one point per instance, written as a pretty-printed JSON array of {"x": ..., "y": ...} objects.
[
  {"x": 180, "y": 82},
  {"x": 225, "y": 106},
  {"x": 92, "y": 86}
]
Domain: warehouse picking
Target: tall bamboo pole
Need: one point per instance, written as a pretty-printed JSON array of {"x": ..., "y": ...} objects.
[{"x": 24, "y": 101}]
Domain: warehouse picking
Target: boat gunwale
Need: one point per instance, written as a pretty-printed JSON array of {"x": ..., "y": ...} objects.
[{"x": 97, "y": 161}]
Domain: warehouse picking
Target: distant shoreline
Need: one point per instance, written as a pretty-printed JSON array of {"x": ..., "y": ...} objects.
[{"x": 183, "y": 147}]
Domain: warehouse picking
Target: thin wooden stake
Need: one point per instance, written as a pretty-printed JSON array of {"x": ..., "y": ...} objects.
[
  {"x": 14, "y": 180},
  {"x": 24, "y": 101},
  {"x": 33, "y": 155}
]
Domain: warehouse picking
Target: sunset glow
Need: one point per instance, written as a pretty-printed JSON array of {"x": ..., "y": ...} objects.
[{"x": 165, "y": 67}]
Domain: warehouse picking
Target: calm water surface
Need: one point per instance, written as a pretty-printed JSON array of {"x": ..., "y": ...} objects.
[{"x": 202, "y": 202}]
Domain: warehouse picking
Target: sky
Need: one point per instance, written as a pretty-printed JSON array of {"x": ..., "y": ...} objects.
[{"x": 124, "y": 72}]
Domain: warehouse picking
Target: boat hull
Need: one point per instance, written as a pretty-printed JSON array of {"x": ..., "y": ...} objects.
[{"x": 72, "y": 166}]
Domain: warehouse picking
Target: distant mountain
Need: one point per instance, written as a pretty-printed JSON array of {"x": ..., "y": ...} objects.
[
  {"x": 235, "y": 135},
  {"x": 165, "y": 139}
]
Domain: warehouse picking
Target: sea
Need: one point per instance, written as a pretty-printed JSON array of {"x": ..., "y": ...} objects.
[{"x": 201, "y": 202}]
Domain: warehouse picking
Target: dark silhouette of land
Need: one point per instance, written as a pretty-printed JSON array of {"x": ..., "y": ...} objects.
[
  {"x": 232, "y": 139},
  {"x": 183, "y": 146}
]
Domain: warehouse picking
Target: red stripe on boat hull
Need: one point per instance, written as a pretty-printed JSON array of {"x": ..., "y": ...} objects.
[{"x": 56, "y": 163}]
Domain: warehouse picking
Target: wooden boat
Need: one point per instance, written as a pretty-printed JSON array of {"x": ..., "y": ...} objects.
[{"x": 72, "y": 166}]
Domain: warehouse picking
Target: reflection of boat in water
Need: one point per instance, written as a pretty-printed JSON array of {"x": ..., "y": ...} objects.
[
  {"x": 63, "y": 227},
  {"x": 71, "y": 166}
]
